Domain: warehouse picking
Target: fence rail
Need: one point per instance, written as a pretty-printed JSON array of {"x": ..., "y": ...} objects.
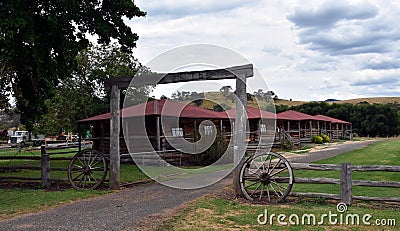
[
  {"x": 44, "y": 165},
  {"x": 346, "y": 182}
]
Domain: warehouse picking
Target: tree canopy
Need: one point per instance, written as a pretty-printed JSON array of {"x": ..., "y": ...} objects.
[
  {"x": 83, "y": 94},
  {"x": 39, "y": 42},
  {"x": 367, "y": 119}
]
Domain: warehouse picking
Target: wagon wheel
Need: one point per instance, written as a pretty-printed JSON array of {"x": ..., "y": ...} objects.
[
  {"x": 87, "y": 169},
  {"x": 266, "y": 178}
]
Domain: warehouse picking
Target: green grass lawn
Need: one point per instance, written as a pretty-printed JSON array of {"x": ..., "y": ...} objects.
[
  {"x": 19, "y": 199},
  {"x": 215, "y": 213},
  {"x": 220, "y": 214},
  {"x": 384, "y": 152}
]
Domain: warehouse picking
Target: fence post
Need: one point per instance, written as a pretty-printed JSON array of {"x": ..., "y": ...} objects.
[
  {"x": 45, "y": 163},
  {"x": 346, "y": 183}
]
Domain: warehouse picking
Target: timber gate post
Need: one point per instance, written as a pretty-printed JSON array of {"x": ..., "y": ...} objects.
[
  {"x": 114, "y": 137},
  {"x": 239, "y": 138}
]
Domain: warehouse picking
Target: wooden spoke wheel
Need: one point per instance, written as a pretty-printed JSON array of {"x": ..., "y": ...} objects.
[
  {"x": 87, "y": 169},
  {"x": 266, "y": 178}
]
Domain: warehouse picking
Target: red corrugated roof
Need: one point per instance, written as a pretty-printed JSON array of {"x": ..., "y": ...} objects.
[
  {"x": 164, "y": 108},
  {"x": 295, "y": 115},
  {"x": 252, "y": 113},
  {"x": 332, "y": 120}
]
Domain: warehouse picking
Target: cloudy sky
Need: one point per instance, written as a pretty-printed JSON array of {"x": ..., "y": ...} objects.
[{"x": 305, "y": 50}]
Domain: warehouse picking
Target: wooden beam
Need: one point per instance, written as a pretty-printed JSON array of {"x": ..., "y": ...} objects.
[
  {"x": 321, "y": 167},
  {"x": 324, "y": 195},
  {"x": 164, "y": 78},
  {"x": 114, "y": 138}
]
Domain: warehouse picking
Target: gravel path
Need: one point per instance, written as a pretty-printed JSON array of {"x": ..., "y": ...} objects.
[
  {"x": 117, "y": 211},
  {"x": 139, "y": 207}
]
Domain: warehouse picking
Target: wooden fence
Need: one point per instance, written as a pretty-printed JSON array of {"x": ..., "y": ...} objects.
[
  {"x": 44, "y": 167},
  {"x": 346, "y": 182}
]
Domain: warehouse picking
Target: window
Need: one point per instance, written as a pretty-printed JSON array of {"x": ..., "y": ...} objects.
[
  {"x": 177, "y": 132},
  {"x": 208, "y": 129},
  {"x": 263, "y": 128}
]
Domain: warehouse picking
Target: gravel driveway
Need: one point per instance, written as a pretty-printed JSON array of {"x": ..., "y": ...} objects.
[{"x": 136, "y": 208}]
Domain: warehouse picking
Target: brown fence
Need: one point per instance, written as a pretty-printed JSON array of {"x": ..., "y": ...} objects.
[
  {"x": 346, "y": 182},
  {"x": 43, "y": 159}
]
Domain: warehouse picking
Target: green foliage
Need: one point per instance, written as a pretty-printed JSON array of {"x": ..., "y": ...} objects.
[
  {"x": 287, "y": 145},
  {"x": 317, "y": 140},
  {"x": 367, "y": 119},
  {"x": 280, "y": 108},
  {"x": 39, "y": 41},
  {"x": 187, "y": 96},
  {"x": 83, "y": 95},
  {"x": 211, "y": 155},
  {"x": 325, "y": 138},
  {"x": 320, "y": 139}
]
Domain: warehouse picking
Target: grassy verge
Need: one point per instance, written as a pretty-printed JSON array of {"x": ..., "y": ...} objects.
[
  {"x": 213, "y": 213},
  {"x": 221, "y": 214},
  {"x": 20, "y": 200}
]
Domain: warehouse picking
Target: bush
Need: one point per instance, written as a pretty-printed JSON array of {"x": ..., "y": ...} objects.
[
  {"x": 211, "y": 155},
  {"x": 325, "y": 138},
  {"x": 287, "y": 145},
  {"x": 317, "y": 140}
]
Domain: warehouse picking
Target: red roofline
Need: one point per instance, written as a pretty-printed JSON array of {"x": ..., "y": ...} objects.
[
  {"x": 295, "y": 115},
  {"x": 252, "y": 113},
  {"x": 332, "y": 120},
  {"x": 156, "y": 108}
]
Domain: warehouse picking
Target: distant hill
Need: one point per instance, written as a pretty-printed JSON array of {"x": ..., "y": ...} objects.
[
  {"x": 377, "y": 100},
  {"x": 217, "y": 97}
]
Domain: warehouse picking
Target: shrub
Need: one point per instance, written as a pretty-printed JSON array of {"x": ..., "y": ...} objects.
[
  {"x": 325, "y": 138},
  {"x": 317, "y": 140},
  {"x": 211, "y": 155},
  {"x": 287, "y": 145}
]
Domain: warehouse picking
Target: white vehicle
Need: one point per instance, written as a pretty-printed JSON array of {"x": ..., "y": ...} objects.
[{"x": 18, "y": 137}]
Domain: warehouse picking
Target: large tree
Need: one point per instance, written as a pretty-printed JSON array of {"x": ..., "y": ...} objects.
[
  {"x": 83, "y": 95},
  {"x": 40, "y": 39}
]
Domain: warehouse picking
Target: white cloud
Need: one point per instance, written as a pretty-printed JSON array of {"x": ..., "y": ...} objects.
[{"x": 304, "y": 49}]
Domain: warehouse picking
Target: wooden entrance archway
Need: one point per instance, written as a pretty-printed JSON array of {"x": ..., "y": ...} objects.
[{"x": 240, "y": 73}]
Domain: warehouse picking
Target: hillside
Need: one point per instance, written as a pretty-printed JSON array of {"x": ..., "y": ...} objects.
[
  {"x": 377, "y": 100},
  {"x": 214, "y": 97}
]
